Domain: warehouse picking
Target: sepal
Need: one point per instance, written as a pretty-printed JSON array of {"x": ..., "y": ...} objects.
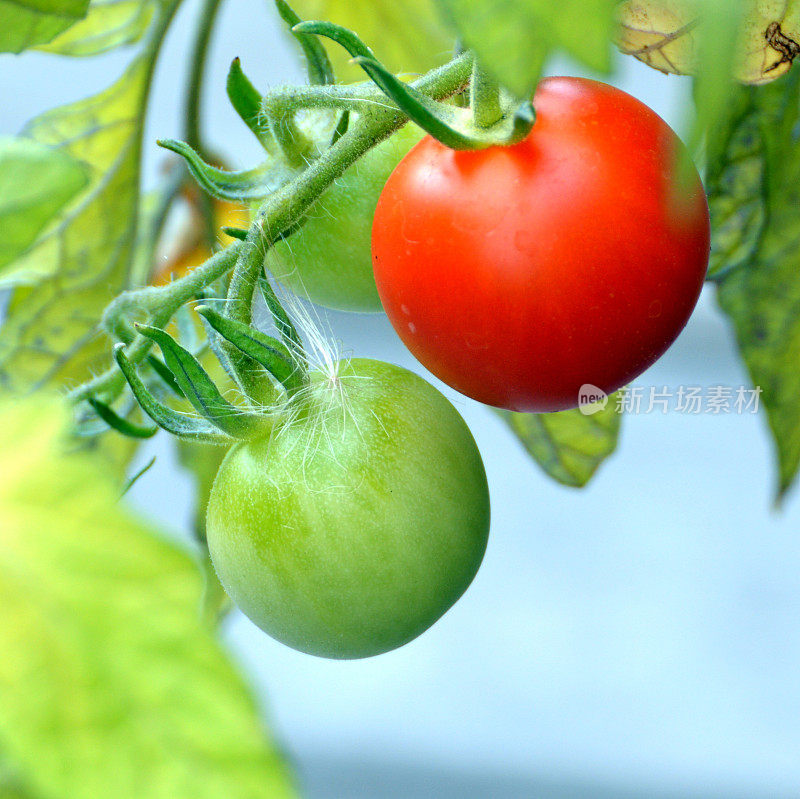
[
  {"x": 242, "y": 187},
  {"x": 120, "y": 424},
  {"x": 263, "y": 349},
  {"x": 342, "y": 36},
  {"x": 286, "y": 329},
  {"x": 453, "y": 126},
  {"x": 235, "y": 232},
  {"x": 318, "y": 65},
  {"x": 187, "y": 427},
  {"x": 199, "y": 388},
  {"x": 246, "y": 101},
  {"x": 162, "y": 370}
]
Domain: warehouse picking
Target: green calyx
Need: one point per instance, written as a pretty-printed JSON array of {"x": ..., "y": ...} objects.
[
  {"x": 282, "y": 364},
  {"x": 265, "y": 350},
  {"x": 178, "y": 424},
  {"x": 296, "y": 126},
  {"x": 492, "y": 118},
  {"x": 457, "y": 128},
  {"x": 199, "y": 388}
]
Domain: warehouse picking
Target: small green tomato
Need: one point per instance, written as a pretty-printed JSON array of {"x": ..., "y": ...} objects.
[
  {"x": 357, "y": 523},
  {"x": 328, "y": 260}
]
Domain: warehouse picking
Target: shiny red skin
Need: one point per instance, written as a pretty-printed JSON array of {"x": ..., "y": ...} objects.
[{"x": 518, "y": 274}]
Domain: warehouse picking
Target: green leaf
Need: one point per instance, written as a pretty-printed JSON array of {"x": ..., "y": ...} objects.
[
  {"x": 756, "y": 248},
  {"x": 36, "y": 182},
  {"x": 111, "y": 683},
  {"x": 406, "y": 37},
  {"x": 670, "y": 35},
  {"x": 109, "y": 24},
  {"x": 26, "y": 23},
  {"x": 512, "y": 38},
  {"x": 722, "y": 42},
  {"x": 50, "y": 334},
  {"x": 568, "y": 445},
  {"x": 716, "y": 47},
  {"x": 736, "y": 183}
]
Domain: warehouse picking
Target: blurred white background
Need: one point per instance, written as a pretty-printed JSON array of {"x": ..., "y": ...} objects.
[{"x": 637, "y": 638}]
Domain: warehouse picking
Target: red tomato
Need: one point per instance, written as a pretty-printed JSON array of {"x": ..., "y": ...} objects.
[{"x": 518, "y": 274}]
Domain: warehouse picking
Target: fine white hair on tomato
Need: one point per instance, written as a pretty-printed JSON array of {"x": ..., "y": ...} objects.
[
  {"x": 323, "y": 350},
  {"x": 326, "y": 438}
]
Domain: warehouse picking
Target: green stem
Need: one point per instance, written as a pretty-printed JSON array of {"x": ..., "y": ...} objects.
[
  {"x": 354, "y": 96},
  {"x": 484, "y": 98},
  {"x": 160, "y": 303},
  {"x": 238, "y": 307},
  {"x": 192, "y": 111},
  {"x": 294, "y": 144},
  {"x": 142, "y": 269},
  {"x": 194, "y": 93}
]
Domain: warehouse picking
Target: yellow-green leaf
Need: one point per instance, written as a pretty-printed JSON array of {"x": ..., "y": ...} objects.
[
  {"x": 512, "y": 37},
  {"x": 568, "y": 445},
  {"x": 51, "y": 331},
  {"x": 109, "y": 24},
  {"x": 407, "y": 36},
  {"x": 26, "y": 23},
  {"x": 36, "y": 182},
  {"x": 111, "y": 684}
]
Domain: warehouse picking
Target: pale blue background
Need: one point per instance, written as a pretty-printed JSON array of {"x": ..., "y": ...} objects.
[{"x": 638, "y": 638}]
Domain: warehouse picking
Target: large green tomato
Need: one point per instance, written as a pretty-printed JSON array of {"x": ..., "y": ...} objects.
[
  {"x": 357, "y": 523},
  {"x": 329, "y": 259}
]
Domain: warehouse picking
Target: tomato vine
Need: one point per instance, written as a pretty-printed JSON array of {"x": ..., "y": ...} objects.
[{"x": 376, "y": 119}]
